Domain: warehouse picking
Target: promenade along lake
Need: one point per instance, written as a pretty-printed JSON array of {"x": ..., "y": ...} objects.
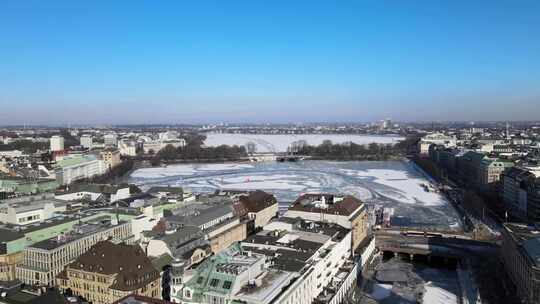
[{"x": 394, "y": 184}]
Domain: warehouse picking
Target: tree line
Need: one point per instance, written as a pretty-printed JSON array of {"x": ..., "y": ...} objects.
[
  {"x": 25, "y": 145},
  {"x": 353, "y": 151},
  {"x": 194, "y": 150}
]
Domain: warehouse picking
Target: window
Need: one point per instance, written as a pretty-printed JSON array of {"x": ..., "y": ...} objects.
[
  {"x": 227, "y": 285},
  {"x": 214, "y": 282},
  {"x": 200, "y": 280}
]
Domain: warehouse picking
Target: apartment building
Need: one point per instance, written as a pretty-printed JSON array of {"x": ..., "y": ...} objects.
[
  {"x": 521, "y": 257},
  {"x": 437, "y": 139},
  {"x": 78, "y": 167},
  {"x": 108, "y": 272},
  {"x": 182, "y": 249},
  {"x": 286, "y": 262},
  {"x": 346, "y": 211},
  {"x": 15, "y": 238},
  {"x": 111, "y": 158},
  {"x": 491, "y": 171},
  {"x": 259, "y": 206},
  {"x": 521, "y": 194},
  {"x": 56, "y": 143},
  {"x": 44, "y": 260},
  {"x": 110, "y": 140},
  {"x": 86, "y": 141},
  {"x": 219, "y": 223}
]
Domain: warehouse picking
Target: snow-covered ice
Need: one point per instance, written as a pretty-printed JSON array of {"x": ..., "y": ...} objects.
[
  {"x": 177, "y": 170},
  {"x": 392, "y": 184},
  {"x": 401, "y": 185},
  {"x": 279, "y": 142}
]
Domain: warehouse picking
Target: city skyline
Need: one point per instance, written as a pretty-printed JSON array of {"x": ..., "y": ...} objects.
[{"x": 132, "y": 63}]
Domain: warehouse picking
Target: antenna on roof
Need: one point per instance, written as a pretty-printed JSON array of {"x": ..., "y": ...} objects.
[{"x": 117, "y": 215}]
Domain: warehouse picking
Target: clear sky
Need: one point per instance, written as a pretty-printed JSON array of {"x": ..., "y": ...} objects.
[{"x": 268, "y": 61}]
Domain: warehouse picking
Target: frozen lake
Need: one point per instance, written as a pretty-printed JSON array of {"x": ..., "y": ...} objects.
[
  {"x": 279, "y": 142},
  {"x": 389, "y": 183}
]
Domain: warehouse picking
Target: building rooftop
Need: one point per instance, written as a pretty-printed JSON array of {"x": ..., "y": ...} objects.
[
  {"x": 528, "y": 237},
  {"x": 79, "y": 231},
  {"x": 202, "y": 216},
  {"x": 167, "y": 189},
  {"x": 10, "y": 232},
  {"x": 327, "y": 203},
  {"x": 518, "y": 173},
  {"x": 132, "y": 267},
  {"x": 13, "y": 292},
  {"x": 257, "y": 200},
  {"x": 75, "y": 160},
  {"x": 241, "y": 274},
  {"x": 94, "y": 188}
]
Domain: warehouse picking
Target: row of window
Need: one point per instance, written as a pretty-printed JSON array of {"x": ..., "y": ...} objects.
[{"x": 29, "y": 218}]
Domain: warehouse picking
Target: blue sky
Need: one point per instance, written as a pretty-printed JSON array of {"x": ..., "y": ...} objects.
[{"x": 268, "y": 61}]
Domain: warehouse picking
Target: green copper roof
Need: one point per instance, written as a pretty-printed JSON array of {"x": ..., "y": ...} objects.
[{"x": 75, "y": 160}]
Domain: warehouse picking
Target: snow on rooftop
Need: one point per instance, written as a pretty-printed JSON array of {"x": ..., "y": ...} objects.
[{"x": 437, "y": 295}]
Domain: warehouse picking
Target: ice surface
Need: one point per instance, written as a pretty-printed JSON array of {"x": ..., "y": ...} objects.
[
  {"x": 402, "y": 186},
  {"x": 186, "y": 170},
  {"x": 280, "y": 142},
  {"x": 393, "y": 184}
]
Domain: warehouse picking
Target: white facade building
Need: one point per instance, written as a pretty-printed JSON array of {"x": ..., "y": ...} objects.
[
  {"x": 127, "y": 148},
  {"x": 30, "y": 209},
  {"x": 86, "y": 141},
  {"x": 78, "y": 167},
  {"x": 11, "y": 154},
  {"x": 57, "y": 143},
  {"x": 331, "y": 250},
  {"x": 437, "y": 139},
  {"x": 111, "y": 140}
]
